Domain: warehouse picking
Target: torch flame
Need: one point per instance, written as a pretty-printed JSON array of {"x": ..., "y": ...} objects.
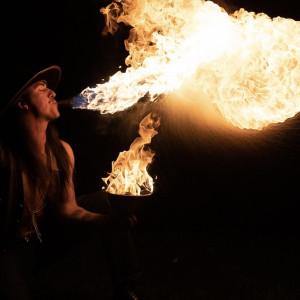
[
  {"x": 247, "y": 64},
  {"x": 129, "y": 174}
]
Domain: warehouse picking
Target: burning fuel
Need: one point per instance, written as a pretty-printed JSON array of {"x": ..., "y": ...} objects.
[
  {"x": 247, "y": 64},
  {"x": 129, "y": 175}
]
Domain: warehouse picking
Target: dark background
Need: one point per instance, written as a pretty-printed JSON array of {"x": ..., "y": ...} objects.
[
  {"x": 217, "y": 181},
  {"x": 204, "y": 173}
]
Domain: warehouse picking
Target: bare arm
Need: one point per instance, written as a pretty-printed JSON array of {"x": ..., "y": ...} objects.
[{"x": 71, "y": 210}]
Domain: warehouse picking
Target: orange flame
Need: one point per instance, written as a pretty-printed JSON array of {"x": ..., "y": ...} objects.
[
  {"x": 129, "y": 174},
  {"x": 247, "y": 64}
]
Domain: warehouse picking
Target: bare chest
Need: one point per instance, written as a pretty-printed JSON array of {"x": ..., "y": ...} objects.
[{"x": 34, "y": 206}]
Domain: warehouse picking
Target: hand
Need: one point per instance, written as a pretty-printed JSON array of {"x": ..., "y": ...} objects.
[
  {"x": 132, "y": 220},
  {"x": 122, "y": 219}
]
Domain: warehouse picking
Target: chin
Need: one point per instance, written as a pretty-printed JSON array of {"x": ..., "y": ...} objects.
[{"x": 55, "y": 116}]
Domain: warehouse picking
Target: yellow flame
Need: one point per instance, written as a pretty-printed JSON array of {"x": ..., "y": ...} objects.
[
  {"x": 246, "y": 63},
  {"x": 129, "y": 175}
]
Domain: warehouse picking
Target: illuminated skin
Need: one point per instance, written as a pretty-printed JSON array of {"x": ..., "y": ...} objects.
[
  {"x": 42, "y": 101},
  {"x": 40, "y": 108}
]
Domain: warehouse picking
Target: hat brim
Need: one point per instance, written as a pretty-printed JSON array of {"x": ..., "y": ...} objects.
[{"x": 51, "y": 75}]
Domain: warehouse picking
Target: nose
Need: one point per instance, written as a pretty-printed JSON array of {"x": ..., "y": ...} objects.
[{"x": 52, "y": 94}]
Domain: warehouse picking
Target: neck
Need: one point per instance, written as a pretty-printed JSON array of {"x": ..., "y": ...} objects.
[{"x": 37, "y": 129}]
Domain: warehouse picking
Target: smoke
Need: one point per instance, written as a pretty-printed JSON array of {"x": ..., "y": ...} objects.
[{"x": 68, "y": 102}]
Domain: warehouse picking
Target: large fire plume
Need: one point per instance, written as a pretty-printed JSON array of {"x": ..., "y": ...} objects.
[
  {"x": 247, "y": 64},
  {"x": 129, "y": 175}
]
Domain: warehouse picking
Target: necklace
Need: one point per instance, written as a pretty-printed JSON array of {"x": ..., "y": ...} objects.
[
  {"x": 30, "y": 197},
  {"x": 34, "y": 222}
]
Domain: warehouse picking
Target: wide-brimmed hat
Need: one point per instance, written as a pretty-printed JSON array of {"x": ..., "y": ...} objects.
[{"x": 51, "y": 75}]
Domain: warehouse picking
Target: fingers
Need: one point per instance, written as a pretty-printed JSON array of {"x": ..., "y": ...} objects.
[
  {"x": 121, "y": 219},
  {"x": 132, "y": 220}
]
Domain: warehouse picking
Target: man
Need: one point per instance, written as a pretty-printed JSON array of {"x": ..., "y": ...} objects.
[{"x": 36, "y": 190}]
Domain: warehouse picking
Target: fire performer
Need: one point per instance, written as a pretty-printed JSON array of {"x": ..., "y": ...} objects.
[{"x": 37, "y": 194}]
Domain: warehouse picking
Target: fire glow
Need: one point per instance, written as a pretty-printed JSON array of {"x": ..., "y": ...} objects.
[
  {"x": 129, "y": 175},
  {"x": 247, "y": 64}
]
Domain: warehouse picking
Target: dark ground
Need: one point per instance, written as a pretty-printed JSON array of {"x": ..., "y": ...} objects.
[
  {"x": 188, "y": 265},
  {"x": 257, "y": 262}
]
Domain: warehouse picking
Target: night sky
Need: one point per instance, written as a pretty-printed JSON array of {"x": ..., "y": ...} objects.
[{"x": 203, "y": 173}]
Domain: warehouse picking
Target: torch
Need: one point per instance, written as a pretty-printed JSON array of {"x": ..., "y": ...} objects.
[{"x": 129, "y": 183}]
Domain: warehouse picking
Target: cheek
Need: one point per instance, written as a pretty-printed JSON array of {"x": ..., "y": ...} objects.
[
  {"x": 38, "y": 104},
  {"x": 39, "y": 107}
]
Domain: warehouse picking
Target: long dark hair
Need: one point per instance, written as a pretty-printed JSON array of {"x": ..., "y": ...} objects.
[{"x": 15, "y": 137}]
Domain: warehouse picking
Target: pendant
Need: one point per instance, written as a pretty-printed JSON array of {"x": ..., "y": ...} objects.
[{"x": 36, "y": 228}]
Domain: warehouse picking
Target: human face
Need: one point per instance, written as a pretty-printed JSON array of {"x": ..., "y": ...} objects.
[{"x": 41, "y": 101}]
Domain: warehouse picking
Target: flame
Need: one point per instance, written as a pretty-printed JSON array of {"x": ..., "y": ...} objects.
[
  {"x": 129, "y": 174},
  {"x": 247, "y": 64}
]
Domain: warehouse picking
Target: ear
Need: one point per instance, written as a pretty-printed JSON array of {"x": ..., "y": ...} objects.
[{"x": 22, "y": 104}]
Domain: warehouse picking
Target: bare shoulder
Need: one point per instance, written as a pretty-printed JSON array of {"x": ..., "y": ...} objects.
[
  {"x": 66, "y": 145},
  {"x": 68, "y": 149}
]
